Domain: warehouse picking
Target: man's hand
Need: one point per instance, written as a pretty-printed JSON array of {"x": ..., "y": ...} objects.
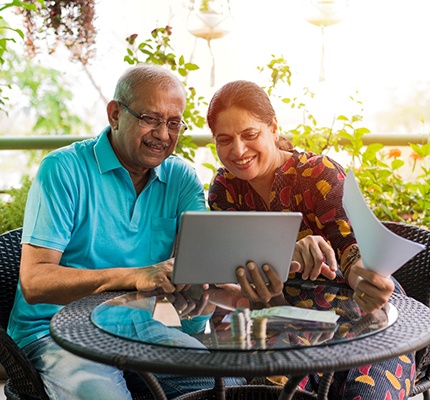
[{"x": 157, "y": 276}]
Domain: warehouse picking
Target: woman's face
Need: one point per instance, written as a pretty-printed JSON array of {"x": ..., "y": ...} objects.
[{"x": 245, "y": 145}]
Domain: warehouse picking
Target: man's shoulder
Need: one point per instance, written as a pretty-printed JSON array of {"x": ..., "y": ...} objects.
[
  {"x": 73, "y": 149},
  {"x": 74, "y": 153}
]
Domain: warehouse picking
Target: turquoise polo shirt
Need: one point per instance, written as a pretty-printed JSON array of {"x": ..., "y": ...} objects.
[{"x": 83, "y": 203}]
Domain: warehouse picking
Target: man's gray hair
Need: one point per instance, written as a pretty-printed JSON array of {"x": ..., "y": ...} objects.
[{"x": 147, "y": 74}]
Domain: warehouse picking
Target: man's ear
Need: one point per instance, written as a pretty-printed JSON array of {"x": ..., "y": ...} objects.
[{"x": 113, "y": 112}]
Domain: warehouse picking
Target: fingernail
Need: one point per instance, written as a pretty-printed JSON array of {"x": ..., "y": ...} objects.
[
  {"x": 251, "y": 267},
  {"x": 240, "y": 272},
  {"x": 265, "y": 267}
]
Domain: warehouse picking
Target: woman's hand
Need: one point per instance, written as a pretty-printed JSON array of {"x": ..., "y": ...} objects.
[
  {"x": 256, "y": 288},
  {"x": 312, "y": 257},
  {"x": 188, "y": 306},
  {"x": 371, "y": 290}
]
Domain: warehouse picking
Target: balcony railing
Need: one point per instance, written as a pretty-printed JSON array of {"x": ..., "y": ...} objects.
[{"x": 56, "y": 141}]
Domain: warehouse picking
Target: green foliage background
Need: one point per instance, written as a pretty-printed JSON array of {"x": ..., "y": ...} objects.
[{"x": 389, "y": 194}]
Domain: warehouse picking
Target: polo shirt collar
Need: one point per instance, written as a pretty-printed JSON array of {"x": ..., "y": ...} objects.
[{"x": 107, "y": 160}]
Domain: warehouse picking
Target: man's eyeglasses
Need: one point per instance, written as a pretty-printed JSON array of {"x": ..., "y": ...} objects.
[{"x": 151, "y": 122}]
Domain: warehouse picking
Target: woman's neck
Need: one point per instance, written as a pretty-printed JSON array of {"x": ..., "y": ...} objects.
[{"x": 263, "y": 186}]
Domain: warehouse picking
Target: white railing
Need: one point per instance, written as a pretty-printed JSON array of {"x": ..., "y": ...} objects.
[{"x": 56, "y": 141}]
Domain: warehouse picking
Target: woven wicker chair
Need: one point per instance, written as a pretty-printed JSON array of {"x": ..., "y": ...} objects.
[
  {"x": 23, "y": 382},
  {"x": 247, "y": 392},
  {"x": 414, "y": 276}
]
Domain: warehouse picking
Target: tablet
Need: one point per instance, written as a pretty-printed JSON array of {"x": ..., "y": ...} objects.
[{"x": 211, "y": 245}]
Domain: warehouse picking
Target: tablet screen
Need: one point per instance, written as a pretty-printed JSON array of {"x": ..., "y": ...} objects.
[{"x": 211, "y": 245}]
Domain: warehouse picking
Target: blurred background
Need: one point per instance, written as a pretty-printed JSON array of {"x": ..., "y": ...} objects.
[{"x": 374, "y": 51}]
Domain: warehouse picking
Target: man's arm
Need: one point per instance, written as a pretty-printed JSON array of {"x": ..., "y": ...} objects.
[{"x": 44, "y": 280}]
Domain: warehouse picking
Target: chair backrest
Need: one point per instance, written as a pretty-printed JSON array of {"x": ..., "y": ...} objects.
[
  {"x": 414, "y": 276},
  {"x": 23, "y": 380},
  {"x": 10, "y": 257}
]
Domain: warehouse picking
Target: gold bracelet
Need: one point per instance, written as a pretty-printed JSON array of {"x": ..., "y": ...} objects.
[{"x": 352, "y": 257}]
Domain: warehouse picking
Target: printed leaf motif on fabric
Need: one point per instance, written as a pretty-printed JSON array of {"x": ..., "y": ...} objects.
[
  {"x": 344, "y": 227},
  {"x": 324, "y": 187},
  {"x": 394, "y": 381},
  {"x": 284, "y": 196},
  {"x": 328, "y": 216},
  {"x": 365, "y": 379},
  {"x": 328, "y": 163},
  {"x": 249, "y": 200}
]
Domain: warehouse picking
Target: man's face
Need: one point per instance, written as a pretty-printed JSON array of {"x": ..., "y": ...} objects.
[{"x": 141, "y": 148}]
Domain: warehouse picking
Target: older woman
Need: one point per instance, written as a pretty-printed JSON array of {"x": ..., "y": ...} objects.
[{"x": 262, "y": 172}]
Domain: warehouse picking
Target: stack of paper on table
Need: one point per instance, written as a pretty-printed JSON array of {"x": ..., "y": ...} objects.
[{"x": 296, "y": 313}]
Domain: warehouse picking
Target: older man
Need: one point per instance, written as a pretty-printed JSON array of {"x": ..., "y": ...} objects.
[{"x": 103, "y": 214}]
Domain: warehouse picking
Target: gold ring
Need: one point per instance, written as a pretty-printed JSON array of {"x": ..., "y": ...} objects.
[{"x": 362, "y": 295}]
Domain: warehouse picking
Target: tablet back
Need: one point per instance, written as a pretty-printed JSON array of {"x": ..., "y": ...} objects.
[{"x": 211, "y": 245}]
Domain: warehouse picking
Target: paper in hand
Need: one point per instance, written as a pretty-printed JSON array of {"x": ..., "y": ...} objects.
[{"x": 381, "y": 250}]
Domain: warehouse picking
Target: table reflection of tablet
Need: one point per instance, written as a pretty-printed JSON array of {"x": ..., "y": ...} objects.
[{"x": 211, "y": 245}]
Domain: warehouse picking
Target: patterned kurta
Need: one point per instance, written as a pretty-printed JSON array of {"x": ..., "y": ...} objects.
[
  {"x": 313, "y": 185},
  {"x": 307, "y": 183}
]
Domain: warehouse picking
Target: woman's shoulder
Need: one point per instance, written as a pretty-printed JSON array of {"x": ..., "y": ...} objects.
[
  {"x": 224, "y": 179},
  {"x": 307, "y": 161},
  {"x": 223, "y": 174}
]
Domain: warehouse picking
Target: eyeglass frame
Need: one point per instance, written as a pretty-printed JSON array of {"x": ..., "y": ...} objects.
[{"x": 182, "y": 127}]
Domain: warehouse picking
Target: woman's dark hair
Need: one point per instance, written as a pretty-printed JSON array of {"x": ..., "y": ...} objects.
[
  {"x": 247, "y": 96},
  {"x": 241, "y": 94}
]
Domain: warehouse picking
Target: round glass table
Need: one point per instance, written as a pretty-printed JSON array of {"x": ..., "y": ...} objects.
[
  {"x": 127, "y": 330},
  {"x": 314, "y": 314}
]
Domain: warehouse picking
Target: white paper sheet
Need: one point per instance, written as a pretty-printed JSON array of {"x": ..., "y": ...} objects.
[{"x": 382, "y": 251}]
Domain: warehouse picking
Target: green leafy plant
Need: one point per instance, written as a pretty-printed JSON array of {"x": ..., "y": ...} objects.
[
  {"x": 157, "y": 50},
  {"x": 47, "y": 102},
  {"x": 393, "y": 190},
  {"x": 12, "y": 208},
  {"x": 5, "y": 29}
]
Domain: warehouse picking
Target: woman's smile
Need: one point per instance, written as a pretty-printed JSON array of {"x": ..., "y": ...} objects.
[{"x": 244, "y": 161}]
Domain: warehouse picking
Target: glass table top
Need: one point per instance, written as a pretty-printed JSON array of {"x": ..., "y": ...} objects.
[{"x": 216, "y": 319}]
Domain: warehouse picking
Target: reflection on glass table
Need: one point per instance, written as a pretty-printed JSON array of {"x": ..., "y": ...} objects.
[{"x": 203, "y": 319}]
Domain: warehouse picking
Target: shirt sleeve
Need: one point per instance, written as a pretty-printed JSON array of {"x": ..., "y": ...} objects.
[
  {"x": 49, "y": 212},
  {"x": 322, "y": 187},
  {"x": 191, "y": 195}
]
